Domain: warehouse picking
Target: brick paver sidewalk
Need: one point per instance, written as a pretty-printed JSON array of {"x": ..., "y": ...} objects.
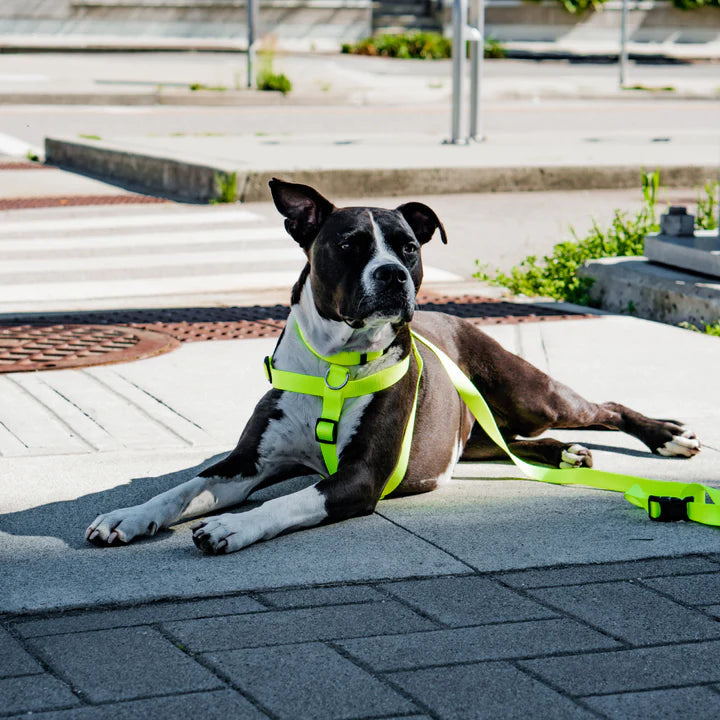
[{"x": 616, "y": 640}]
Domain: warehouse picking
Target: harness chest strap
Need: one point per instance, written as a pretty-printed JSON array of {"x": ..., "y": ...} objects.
[{"x": 336, "y": 387}]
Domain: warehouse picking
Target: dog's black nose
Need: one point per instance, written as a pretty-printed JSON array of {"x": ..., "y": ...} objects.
[{"x": 390, "y": 275}]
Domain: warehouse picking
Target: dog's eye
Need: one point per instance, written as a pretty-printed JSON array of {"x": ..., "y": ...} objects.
[
  {"x": 410, "y": 248},
  {"x": 345, "y": 246}
]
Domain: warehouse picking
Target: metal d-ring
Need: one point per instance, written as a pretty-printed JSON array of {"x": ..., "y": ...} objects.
[{"x": 336, "y": 387}]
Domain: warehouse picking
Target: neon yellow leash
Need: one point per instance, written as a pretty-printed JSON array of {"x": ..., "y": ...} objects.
[{"x": 664, "y": 500}]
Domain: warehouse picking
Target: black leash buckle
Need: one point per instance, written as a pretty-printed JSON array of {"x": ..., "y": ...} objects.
[{"x": 671, "y": 508}]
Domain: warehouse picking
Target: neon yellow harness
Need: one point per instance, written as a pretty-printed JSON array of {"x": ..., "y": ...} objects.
[{"x": 664, "y": 500}]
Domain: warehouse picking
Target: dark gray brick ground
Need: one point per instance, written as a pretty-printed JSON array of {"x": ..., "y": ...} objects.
[
  {"x": 690, "y": 589},
  {"x": 487, "y": 690},
  {"x": 216, "y": 705},
  {"x": 34, "y": 692},
  {"x": 13, "y": 659},
  {"x": 628, "y": 670},
  {"x": 145, "y": 615},
  {"x": 308, "y": 681},
  {"x": 293, "y": 626},
  {"x": 580, "y": 574},
  {"x": 322, "y": 596},
  {"x": 631, "y": 612},
  {"x": 698, "y": 703},
  {"x": 123, "y": 664},
  {"x": 470, "y": 600},
  {"x": 487, "y": 642}
]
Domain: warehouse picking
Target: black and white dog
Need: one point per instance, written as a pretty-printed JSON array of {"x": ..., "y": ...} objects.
[{"x": 356, "y": 295}]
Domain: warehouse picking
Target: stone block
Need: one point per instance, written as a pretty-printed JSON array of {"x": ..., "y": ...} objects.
[
  {"x": 141, "y": 615},
  {"x": 294, "y": 626},
  {"x": 123, "y": 664},
  {"x": 698, "y": 253},
  {"x": 581, "y": 574},
  {"x": 488, "y": 642},
  {"x": 631, "y": 670},
  {"x": 308, "y": 597},
  {"x": 308, "y": 681},
  {"x": 690, "y": 589},
  {"x": 215, "y": 705},
  {"x": 486, "y": 690},
  {"x": 34, "y": 693},
  {"x": 629, "y": 612},
  {"x": 469, "y": 600},
  {"x": 13, "y": 658},
  {"x": 700, "y": 702}
]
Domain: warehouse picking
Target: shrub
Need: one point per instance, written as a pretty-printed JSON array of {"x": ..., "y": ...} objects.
[
  {"x": 415, "y": 45},
  {"x": 274, "y": 81}
]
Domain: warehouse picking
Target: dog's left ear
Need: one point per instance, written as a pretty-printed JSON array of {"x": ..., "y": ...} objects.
[
  {"x": 422, "y": 220},
  {"x": 304, "y": 207}
]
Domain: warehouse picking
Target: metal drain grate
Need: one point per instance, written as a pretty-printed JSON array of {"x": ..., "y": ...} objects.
[
  {"x": 76, "y": 200},
  {"x": 28, "y": 347}
]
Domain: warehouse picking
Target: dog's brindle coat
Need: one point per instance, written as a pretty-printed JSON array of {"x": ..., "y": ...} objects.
[{"x": 357, "y": 293}]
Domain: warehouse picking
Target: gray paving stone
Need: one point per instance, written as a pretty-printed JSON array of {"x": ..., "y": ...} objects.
[
  {"x": 35, "y": 692},
  {"x": 13, "y": 658},
  {"x": 700, "y": 703},
  {"x": 631, "y": 612},
  {"x": 487, "y": 642},
  {"x": 307, "y": 597},
  {"x": 469, "y": 600},
  {"x": 123, "y": 664},
  {"x": 143, "y": 615},
  {"x": 714, "y": 610},
  {"x": 486, "y": 690},
  {"x": 292, "y": 626},
  {"x": 580, "y": 574},
  {"x": 691, "y": 589},
  {"x": 215, "y": 705},
  {"x": 308, "y": 681},
  {"x": 631, "y": 670}
]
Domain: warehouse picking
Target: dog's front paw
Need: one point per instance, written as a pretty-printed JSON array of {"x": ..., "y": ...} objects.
[
  {"x": 683, "y": 443},
  {"x": 121, "y": 526},
  {"x": 574, "y": 456},
  {"x": 221, "y": 534}
]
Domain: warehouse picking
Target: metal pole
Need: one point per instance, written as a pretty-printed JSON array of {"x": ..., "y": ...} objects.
[
  {"x": 477, "y": 54},
  {"x": 252, "y": 28},
  {"x": 623, "y": 44},
  {"x": 458, "y": 62}
]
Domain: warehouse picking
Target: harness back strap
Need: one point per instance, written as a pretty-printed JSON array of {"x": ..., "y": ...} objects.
[{"x": 663, "y": 500}]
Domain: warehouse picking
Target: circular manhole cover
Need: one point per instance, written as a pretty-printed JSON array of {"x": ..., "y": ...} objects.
[{"x": 26, "y": 348}]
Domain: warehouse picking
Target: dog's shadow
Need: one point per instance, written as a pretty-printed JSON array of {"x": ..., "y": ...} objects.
[{"x": 67, "y": 520}]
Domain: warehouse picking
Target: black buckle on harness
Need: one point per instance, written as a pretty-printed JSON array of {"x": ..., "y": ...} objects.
[
  {"x": 333, "y": 431},
  {"x": 268, "y": 367},
  {"x": 671, "y": 508}
]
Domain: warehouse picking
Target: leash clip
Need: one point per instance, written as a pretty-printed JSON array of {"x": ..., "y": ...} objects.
[
  {"x": 342, "y": 384},
  {"x": 671, "y": 508}
]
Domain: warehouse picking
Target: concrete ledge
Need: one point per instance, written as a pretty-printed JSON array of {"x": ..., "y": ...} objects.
[
  {"x": 195, "y": 182},
  {"x": 635, "y": 286}
]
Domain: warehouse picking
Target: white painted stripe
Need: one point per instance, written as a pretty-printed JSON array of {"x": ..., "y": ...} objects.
[
  {"x": 58, "y": 226},
  {"x": 167, "y": 260},
  {"x": 146, "y": 287},
  {"x": 15, "y": 147},
  {"x": 180, "y": 237},
  {"x": 433, "y": 274}
]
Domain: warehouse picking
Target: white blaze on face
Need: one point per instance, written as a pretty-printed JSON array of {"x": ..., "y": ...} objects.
[{"x": 382, "y": 255}]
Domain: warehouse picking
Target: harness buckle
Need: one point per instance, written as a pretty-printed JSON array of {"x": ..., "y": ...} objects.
[
  {"x": 268, "y": 368},
  {"x": 343, "y": 383},
  {"x": 671, "y": 508},
  {"x": 326, "y": 431}
]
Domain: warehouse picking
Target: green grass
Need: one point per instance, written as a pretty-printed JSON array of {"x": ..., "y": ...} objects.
[
  {"x": 556, "y": 275},
  {"x": 416, "y": 45},
  {"x": 214, "y": 88},
  {"x": 709, "y": 329},
  {"x": 89, "y": 137},
  {"x": 226, "y": 187}
]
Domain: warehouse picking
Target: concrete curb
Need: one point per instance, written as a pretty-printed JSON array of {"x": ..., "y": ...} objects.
[{"x": 193, "y": 182}]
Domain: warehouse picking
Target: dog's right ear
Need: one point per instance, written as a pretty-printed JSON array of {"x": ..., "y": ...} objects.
[{"x": 304, "y": 208}]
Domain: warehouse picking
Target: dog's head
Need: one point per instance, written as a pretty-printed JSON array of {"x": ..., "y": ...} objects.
[{"x": 364, "y": 263}]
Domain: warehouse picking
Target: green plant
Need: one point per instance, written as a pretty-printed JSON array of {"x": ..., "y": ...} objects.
[
  {"x": 417, "y": 45},
  {"x": 199, "y": 86},
  {"x": 709, "y": 329},
  {"x": 32, "y": 156},
  {"x": 556, "y": 275},
  {"x": 226, "y": 187},
  {"x": 89, "y": 137},
  {"x": 707, "y": 207},
  {"x": 267, "y": 78}
]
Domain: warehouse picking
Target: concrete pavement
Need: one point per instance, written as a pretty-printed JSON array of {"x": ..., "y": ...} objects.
[{"x": 489, "y": 581}]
